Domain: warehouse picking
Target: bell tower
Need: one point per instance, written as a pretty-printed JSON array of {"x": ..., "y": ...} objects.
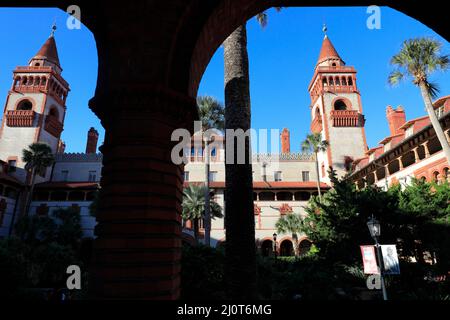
[
  {"x": 336, "y": 111},
  {"x": 35, "y": 107}
]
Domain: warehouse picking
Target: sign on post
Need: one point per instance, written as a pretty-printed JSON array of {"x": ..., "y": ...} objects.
[
  {"x": 369, "y": 260},
  {"x": 390, "y": 259}
]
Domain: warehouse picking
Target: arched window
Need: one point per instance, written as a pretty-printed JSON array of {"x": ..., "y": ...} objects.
[
  {"x": 266, "y": 196},
  {"x": 37, "y": 64},
  {"x": 25, "y": 105},
  {"x": 350, "y": 81},
  {"x": 344, "y": 82},
  {"x": 337, "y": 81},
  {"x": 284, "y": 196},
  {"x": 24, "y": 80},
  {"x": 286, "y": 248},
  {"x": 333, "y": 64},
  {"x": 436, "y": 176},
  {"x": 340, "y": 105},
  {"x": 53, "y": 113},
  {"x": 267, "y": 248},
  {"x": 330, "y": 81},
  {"x": 445, "y": 174},
  {"x": 43, "y": 81},
  {"x": 324, "y": 82}
]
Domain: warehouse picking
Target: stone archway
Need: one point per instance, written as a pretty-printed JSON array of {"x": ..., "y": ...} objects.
[
  {"x": 267, "y": 248},
  {"x": 286, "y": 248},
  {"x": 146, "y": 87}
]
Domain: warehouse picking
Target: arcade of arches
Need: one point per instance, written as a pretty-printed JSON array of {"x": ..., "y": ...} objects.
[{"x": 146, "y": 88}]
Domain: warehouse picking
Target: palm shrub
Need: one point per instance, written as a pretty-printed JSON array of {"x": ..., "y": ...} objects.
[
  {"x": 291, "y": 223},
  {"x": 193, "y": 206}
]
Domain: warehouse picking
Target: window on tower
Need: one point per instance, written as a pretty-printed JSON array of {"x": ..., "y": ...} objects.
[
  {"x": 340, "y": 105},
  {"x": 25, "y": 105}
]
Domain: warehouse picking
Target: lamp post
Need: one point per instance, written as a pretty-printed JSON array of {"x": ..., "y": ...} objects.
[
  {"x": 375, "y": 231},
  {"x": 275, "y": 245}
]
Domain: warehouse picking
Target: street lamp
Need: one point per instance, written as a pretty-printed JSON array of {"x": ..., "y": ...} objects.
[
  {"x": 275, "y": 245},
  {"x": 375, "y": 232}
]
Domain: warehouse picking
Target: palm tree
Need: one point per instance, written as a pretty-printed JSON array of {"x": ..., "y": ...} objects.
[
  {"x": 314, "y": 143},
  {"x": 194, "y": 206},
  {"x": 38, "y": 157},
  {"x": 212, "y": 115},
  {"x": 240, "y": 251},
  {"x": 418, "y": 59},
  {"x": 290, "y": 223}
]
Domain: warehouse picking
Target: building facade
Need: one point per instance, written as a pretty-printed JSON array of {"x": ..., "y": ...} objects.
[
  {"x": 412, "y": 150},
  {"x": 283, "y": 182},
  {"x": 34, "y": 111}
]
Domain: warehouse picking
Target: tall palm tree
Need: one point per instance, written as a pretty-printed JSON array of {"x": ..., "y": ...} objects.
[
  {"x": 212, "y": 116},
  {"x": 290, "y": 223},
  {"x": 240, "y": 251},
  {"x": 193, "y": 206},
  {"x": 38, "y": 157},
  {"x": 418, "y": 59},
  {"x": 314, "y": 143}
]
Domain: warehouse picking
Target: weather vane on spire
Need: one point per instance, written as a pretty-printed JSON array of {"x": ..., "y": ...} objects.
[
  {"x": 325, "y": 29},
  {"x": 53, "y": 29}
]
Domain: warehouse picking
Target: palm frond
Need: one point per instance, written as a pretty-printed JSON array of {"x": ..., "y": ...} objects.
[
  {"x": 262, "y": 19},
  {"x": 433, "y": 89},
  {"x": 395, "y": 77}
]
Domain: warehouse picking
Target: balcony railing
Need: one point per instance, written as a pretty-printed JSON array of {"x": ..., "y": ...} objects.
[
  {"x": 20, "y": 118},
  {"x": 316, "y": 125},
  {"x": 53, "y": 126},
  {"x": 347, "y": 118}
]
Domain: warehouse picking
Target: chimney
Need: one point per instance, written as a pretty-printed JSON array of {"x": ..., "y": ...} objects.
[
  {"x": 61, "y": 147},
  {"x": 396, "y": 118},
  {"x": 91, "y": 145},
  {"x": 285, "y": 141}
]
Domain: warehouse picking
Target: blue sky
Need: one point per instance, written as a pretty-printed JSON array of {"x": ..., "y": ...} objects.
[
  {"x": 282, "y": 59},
  {"x": 283, "y": 55}
]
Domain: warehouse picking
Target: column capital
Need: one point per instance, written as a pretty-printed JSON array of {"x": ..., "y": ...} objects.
[{"x": 137, "y": 101}]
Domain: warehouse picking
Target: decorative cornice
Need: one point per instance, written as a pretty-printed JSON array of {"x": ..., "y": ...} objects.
[{"x": 78, "y": 157}]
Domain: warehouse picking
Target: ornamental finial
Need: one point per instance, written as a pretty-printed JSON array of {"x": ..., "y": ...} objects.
[
  {"x": 53, "y": 29},
  {"x": 325, "y": 29}
]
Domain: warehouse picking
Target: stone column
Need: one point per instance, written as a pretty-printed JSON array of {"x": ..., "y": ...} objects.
[
  {"x": 416, "y": 155},
  {"x": 138, "y": 246},
  {"x": 427, "y": 152},
  {"x": 400, "y": 164}
]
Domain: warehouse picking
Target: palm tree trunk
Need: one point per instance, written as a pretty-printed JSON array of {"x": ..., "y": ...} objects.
[
  {"x": 434, "y": 120},
  {"x": 318, "y": 178},
  {"x": 195, "y": 221},
  {"x": 207, "y": 198},
  {"x": 295, "y": 239},
  {"x": 240, "y": 259},
  {"x": 30, "y": 193}
]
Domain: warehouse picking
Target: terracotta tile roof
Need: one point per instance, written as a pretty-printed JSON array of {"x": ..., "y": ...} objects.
[
  {"x": 268, "y": 184},
  {"x": 327, "y": 51},
  {"x": 68, "y": 185},
  {"x": 48, "y": 51}
]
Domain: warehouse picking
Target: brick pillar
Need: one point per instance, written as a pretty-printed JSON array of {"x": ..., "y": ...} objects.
[{"x": 138, "y": 249}]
